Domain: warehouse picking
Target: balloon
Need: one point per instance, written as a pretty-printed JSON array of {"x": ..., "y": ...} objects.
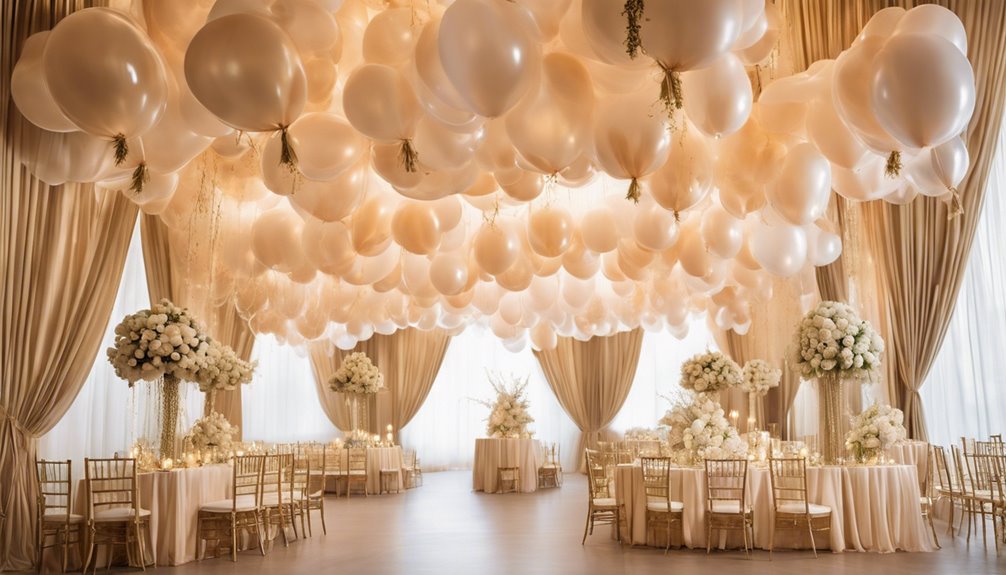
[
  {"x": 328, "y": 246},
  {"x": 950, "y": 162},
  {"x": 311, "y": 27},
  {"x": 781, "y": 249},
  {"x": 104, "y": 74},
  {"x": 380, "y": 104},
  {"x": 416, "y": 228},
  {"x": 685, "y": 179},
  {"x": 717, "y": 98},
  {"x": 865, "y": 183},
  {"x": 437, "y": 185},
  {"x": 449, "y": 273},
  {"x": 390, "y": 37},
  {"x": 823, "y": 246},
  {"x": 851, "y": 93},
  {"x": 543, "y": 337},
  {"x": 365, "y": 271},
  {"x": 550, "y": 231},
  {"x": 602, "y": 27},
  {"x": 170, "y": 144},
  {"x": 923, "y": 90},
  {"x": 547, "y": 15},
  {"x": 326, "y": 146},
  {"x": 722, "y": 233},
  {"x": 833, "y": 138},
  {"x": 276, "y": 239},
  {"x": 760, "y": 50},
  {"x": 933, "y": 19},
  {"x": 579, "y": 173},
  {"x": 882, "y": 23},
  {"x": 684, "y": 35},
  {"x": 600, "y": 232},
  {"x": 802, "y": 189},
  {"x": 521, "y": 185},
  {"x": 371, "y": 225},
  {"x": 630, "y": 140},
  {"x": 695, "y": 260},
  {"x": 197, "y": 117},
  {"x": 488, "y": 53},
  {"x": 655, "y": 228},
  {"x": 59, "y": 157},
  {"x": 430, "y": 70},
  {"x": 902, "y": 195},
  {"x": 332, "y": 201},
  {"x": 321, "y": 76},
  {"x": 550, "y": 127},
  {"x": 442, "y": 148},
  {"x": 496, "y": 247},
  {"x": 245, "y": 70},
  {"x": 579, "y": 261},
  {"x": 30, "y": 91}
]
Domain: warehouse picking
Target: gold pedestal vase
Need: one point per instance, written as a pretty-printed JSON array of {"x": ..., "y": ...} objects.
[
  {"x": 833, "y": 418},
  {"x": 170, "y": 400}
]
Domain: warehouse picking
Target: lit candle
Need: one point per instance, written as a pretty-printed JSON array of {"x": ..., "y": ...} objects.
[
  {"x": 390, "y": 429},
  {"x": 377, "y": 438},
  {"x": 734, "y": 416},
  {"x": 803, "y": 453},
  {"x": 390, "y": 438},
  {"x": 751, "y": 423},
  {"x": 167, "y": 463}
]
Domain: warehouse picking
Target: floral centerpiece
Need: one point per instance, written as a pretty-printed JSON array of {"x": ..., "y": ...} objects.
[
  {"x": 213, "y": 434},
  {"x": 710, "y": 372},
  {"x": 759, "y": 378},
  {"x": 220, "y": 369},
  {"x": 874, "y": 430},
  {"x": 509, "y": 416},
  {"x": 357, "y": 376},
  {"x": 833, "y": 344},
  {"x": 698, "y": 430},
  {"x": 360, "y": 438},
  {"x": 644, "y": 434}
]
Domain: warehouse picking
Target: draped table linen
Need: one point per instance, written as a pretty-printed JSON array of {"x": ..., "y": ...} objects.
[
  {"x": 491, "y": 453},
  {"x": 874, "y": 508},
  {"x": 378, "y": 459},
  {"x": 911, "y": 453}
]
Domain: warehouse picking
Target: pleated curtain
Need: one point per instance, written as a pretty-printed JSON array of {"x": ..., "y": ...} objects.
[
  {"x": 591, "y": 380},
  {"x": 919, "y": 254}
]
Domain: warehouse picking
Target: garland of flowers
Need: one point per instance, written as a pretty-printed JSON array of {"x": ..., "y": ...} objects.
[
  {"x": 832, "y": 340},
  {"x": 874, "y": 430},
  {"x": 509, "y": 416},
  {"x": 709, "y": 372},
  {"x": 358, "y": 375},
  {"x": 212, "y": 433},
  {"x": 698, "y": 430},
  {"x": 162, "y": 340},
  {"x": 759, "y": 377}
]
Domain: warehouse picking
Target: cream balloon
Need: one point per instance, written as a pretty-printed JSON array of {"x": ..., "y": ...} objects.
[
  {"x": 630, "y": 140},
  {"x": 543, "y": 337},
  {"x": 852, "y": 94},
  {"x": 326, "y": 145},
  {"x": 311, "y": 27},
  {"x": 29, "y": 90},
  {"x": 442, "y": 148},
  {"x": 449, "y": 273},
  {"x": 380, "y": 103},
  {"x": 762, "y": 49},
  {"x": 390, "y": 37},
  {"x": 950, "y": 162},
  {"x": 655, "y": 228},
  {"x": 599, "y": 229},
  {"x": 371, "y": 225},
  {"x": 685, "y": 179},
  {"x": 334, "y": 200},
  {"x": 496, "y": 247},
  {"x": 717, "y": 98},
  {"x": 722, "y": 233},
  {"x": 276, "y": 239},
  {"x": 864, "y": 183},
  {"x": 802, "y": 189},
  {"x": 328, "y": 246},
  {"x": 882, "y": 23},
  {"x": 416, "y": 228},
  {"x": 933, "y": 19},
  {"x": 823, "y": 247},
  {"x": 781, "y": 249},
  {"x": 683, "y": 35},
  {"x": 550, "y": 230}
]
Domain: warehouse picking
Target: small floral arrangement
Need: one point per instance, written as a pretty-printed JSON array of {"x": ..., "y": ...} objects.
[
  {"x": 359, "y": 438},
  {"x": 220, "y": 369},
  {"x": 154, "y": 342},
  {"x": 644, "y": 434},
  {"x": 710, "y": 371},
  {"x": 698, "y": 430},
  {"x": 212, "y": 433},
  {"x": 357, "y": 374},
  {"x": 509, "y": 416},
  {"x": 759, "y": 377},
  {"x": 832, "y": 339},
  {"x": 874, "y": 430}
]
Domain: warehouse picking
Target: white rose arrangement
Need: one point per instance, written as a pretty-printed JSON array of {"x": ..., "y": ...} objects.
[
  {"x": 644, "y": 434},
  {"x": 874, "y": 430},
  {"x": 359, "y": 438},
  {"x": 759, "y": 377},
  {"x": 212, "y": 433},
  {"x": 154, "y": 342},
  {"x": 509, "y": 416},
  {"x": 710, "y": 371},
  {"x": 699, "y": 430},
  {"x": 357, "y": 374},
  {"x": 832, "y": 339},
  {"x": 220, "y": 369}
]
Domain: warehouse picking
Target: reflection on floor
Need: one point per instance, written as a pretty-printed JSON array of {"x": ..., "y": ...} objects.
[{"x": 444, "y": 528}]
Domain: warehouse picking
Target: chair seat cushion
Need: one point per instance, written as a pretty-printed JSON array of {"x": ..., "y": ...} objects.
[
  {"x": 926, "y": 501},
  {"x": 660, "y": 506},
  {"x": 391, "y": 470},
  {"x": 730, "y": 507},
  {"x": 797, "y": 508},
  {"x": 358, "y": 472},
  {"x": 336, "y": 474},
  {"x": 51, "y": 517},
  {"x": 117, "y": 514},
  {"x": 605, "y": 502},
  {"x": 244, "y": 503}
]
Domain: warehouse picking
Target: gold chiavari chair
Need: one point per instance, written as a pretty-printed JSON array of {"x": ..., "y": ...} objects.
[
  {"x": 357, "y": 470},
  {"x": 926, "y": 493},
  {"x": 550, "y": 472},
  {"x": 113, "y": 513},
  {"x": 55, "y": 501},
  {"x": 726, "y": 500},
  {"x": 222, "y": 520},
  {"x": 336, "y": 466},
  {"x": 966, "y": 494},
  {"x": 300, "y": 479},
  {"x": 417, "y": 473},
  {"x": 978, "y": 477},
  {"x": 948, "y": 486},
  {"x": 996, "y": 437},
  {"x": 277, "y": 493},
  {"x": 789, "y": 498},
  {"x": 409, "y": 468},
  {"x": 661, "y": 511},
  {"x": 602, "y": 508},
  {"x": 313, "y": 499}
]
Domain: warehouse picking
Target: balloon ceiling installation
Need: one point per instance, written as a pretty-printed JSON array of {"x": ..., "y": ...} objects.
[{"x": 339, "y": 168}]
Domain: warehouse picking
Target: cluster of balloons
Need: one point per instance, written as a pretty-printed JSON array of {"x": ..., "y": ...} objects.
[{"x": 369, "y": 165}]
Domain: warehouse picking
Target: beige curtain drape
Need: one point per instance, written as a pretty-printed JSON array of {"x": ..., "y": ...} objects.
[
  {"x": 409, "y": 360},
  {"x": 591, "y": 380},
  {"x": 62, "y": 251},
  {"x": 920, "y": 255},
  {"x": 166, "y": 272}
]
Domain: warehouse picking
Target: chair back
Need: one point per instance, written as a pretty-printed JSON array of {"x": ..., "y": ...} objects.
[
  {"x": 334, "y": 458},
  {"x": 657, "y": 478},
  {"x": 247, "y": 477},
  {"x": 997, "y": 437},
  {"x": 55, "y": 487},
  {"x": 278, "y": 476},
  {"x": 110, "y": 483},
  {"x": 789, "y": 481},
  {"x": 944, "y": 477},
  {"x": 726, "y": 480},
  {"x": 409, "y": 459},
  {"x": 597, "y": 475},
  {"x": 358, "y": 459}
]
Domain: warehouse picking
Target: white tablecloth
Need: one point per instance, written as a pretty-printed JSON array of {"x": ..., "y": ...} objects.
[
  {"x": 378, "y": 459},
  {"x": 873, "y": 508},
  {"x": 492, "y": 453},
  {"x": 911, "y": 453}
]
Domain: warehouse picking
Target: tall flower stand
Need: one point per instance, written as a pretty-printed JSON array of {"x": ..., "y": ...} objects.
[
  {"x": 753, "y": 412},
  {"x": 170, "y": 400},
  {"x": 833, "y": 418},
  {"x": 359, "y": 418}
]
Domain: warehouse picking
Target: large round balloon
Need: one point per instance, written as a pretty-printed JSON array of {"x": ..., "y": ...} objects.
[
  {"x": 380, "y": 103},
  {"x": 489, "y": 53},
  {"x": 718, "y": 97},
  {"x": 30, "y": 91},
  {"x": 685, "y": 35},
  {"x": 326, "y": 145},
  {"x": 801, "y": 191},
  {"x": 105, "y": 74},
  {"x": 245, "y": 70},
  {"x": 631, "y": 139}
]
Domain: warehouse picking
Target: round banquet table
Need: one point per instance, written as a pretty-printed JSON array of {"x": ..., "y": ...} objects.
[
  {"x": 874, "y": 508},
  {"x": 378, "y": 459},
  {"x": 491, "y": 453},
  {"x": 911, "y": 453}
]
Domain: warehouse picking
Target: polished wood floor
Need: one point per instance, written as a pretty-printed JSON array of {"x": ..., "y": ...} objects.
[{"x": 444, "y": 528}]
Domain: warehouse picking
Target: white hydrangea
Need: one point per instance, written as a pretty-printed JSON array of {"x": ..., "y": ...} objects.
[
  {"x": 698, "y": 429},
  {"x": 710, "y": 371},
  {"x": 760, "y": 376},
  {"x": 509, "y": 416},
  {"x": 874, "y": 430},
  {"x": 212, "y": 433},
  {"x": 161, "y": 340},
  {"x": 832, "y": 339},
  {"x": 357, "y": 374},
  {"x": 220, "y": 369}
]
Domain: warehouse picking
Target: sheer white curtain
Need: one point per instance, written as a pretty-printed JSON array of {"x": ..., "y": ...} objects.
[
  {"x": 281, "y": 404},
  {"x": 965, "y": 393},
  {"x": 444, "y": 431}
]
